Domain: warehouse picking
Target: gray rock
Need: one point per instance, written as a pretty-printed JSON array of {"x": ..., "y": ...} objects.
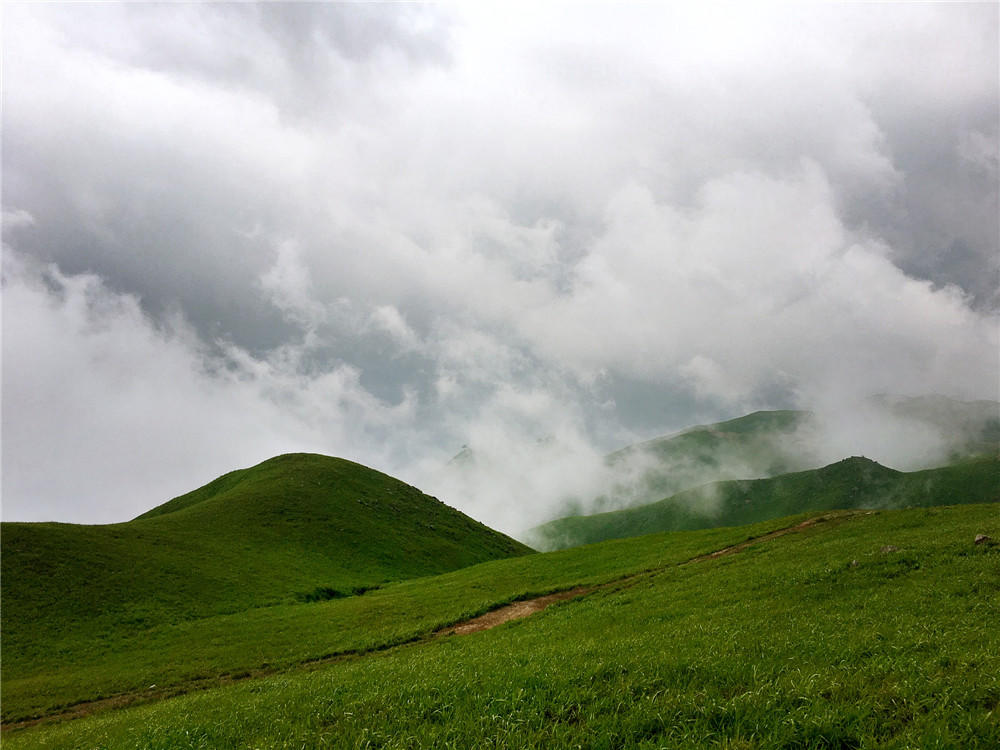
[
  {"x": 889, "y": 548},
  {"x": 983, "y": 539}
]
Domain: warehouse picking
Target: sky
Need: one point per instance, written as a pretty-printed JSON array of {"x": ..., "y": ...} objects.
[{"x": 545, "y": 231}]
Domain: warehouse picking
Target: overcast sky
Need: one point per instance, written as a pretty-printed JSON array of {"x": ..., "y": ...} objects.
[{"x": 546, "y": 231}]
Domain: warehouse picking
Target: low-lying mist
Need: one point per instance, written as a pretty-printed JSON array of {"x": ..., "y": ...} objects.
[{"x": 521, "y": 487}]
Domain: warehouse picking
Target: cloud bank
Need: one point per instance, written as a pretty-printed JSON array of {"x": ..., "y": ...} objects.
[{"x": 384, "y": 232}]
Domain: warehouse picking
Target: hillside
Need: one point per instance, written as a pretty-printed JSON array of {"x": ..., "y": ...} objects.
[
  {"x": 756, "y": 445},
  {"x": 769, "y": 443},
  {"x": 292, "y": 528},
  {"x": 851, "y": 483},
  {"x": 850, "y": 630}
]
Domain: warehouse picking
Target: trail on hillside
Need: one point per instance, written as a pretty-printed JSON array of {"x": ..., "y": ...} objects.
[
  {"x": 514, "y": 611},
  {"x": 491, "y": 619},
  {"x": 774, "y": 535}
]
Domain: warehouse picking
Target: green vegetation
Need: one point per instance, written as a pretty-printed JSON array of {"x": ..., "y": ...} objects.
[
  {"x": 770, "y": 443},
  {"x": 295, "y": 604},
  {"x": 758, "y": 444},
  {"x": 872, "y": 631},
  {"x": 272, "y": 534},
  {"x": 46, "y": 672},
  {"x": 851, "y": 483}
]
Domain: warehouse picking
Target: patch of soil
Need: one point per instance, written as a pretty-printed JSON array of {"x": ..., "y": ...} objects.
[{"x": 513, "y": 611}]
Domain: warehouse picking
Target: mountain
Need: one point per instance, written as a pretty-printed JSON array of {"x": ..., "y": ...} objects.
[
  {"x": 756, "y": 445},
  {"x": 852, "y": 483},
  {"x": 918, "y": 432},
  {"x": 292, "y": 528}
]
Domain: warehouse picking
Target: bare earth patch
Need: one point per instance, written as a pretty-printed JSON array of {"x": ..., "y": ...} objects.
[{"x": 513, "y": 611}]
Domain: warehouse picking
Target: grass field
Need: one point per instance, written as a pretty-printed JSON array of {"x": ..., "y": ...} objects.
[
  {"x": 873, "y": 631},
  {"x": 43, "y": 674},
  {"x": 851, "y": 483}
]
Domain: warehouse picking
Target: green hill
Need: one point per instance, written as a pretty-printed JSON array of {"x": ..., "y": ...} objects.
[
  {"x": 770, "y": 443},
  {"x": 851, "y": 483},
  {"x": 293, "y": 528},
  {"x": 854, "y": 630},
  {"x": 758, "y": 444},
  {"x": 755, "y": 445}
]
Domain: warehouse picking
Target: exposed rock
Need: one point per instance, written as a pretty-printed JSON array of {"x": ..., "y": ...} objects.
[
  {"x": 889, "y": 548},
  {"x": 854, "y": 563},
  {"x": 983, "y": 539}
]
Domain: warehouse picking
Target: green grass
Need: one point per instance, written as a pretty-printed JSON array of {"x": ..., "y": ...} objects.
[
  {"x": 273, "y": 534},
  {"x": 817, "y": 639},
  {"x": 851, "y": 483},
  {"x": 43, "y": 674}
]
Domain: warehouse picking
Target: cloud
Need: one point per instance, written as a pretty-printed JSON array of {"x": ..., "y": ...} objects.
[
  {"x": 107, "y": 413},
  {"x": 388, "y": 231},
  {"x": 288, "y": 287}
]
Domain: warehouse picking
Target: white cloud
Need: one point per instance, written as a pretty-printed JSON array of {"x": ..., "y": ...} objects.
[
  {"x": 485, "y": 221},
  {"x": 107, "y": 414},
  {"x": 388, "y": 319},
  {"x": 288, "y": 287}
]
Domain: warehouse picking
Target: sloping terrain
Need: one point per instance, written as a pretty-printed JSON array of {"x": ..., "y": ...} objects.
[
  {"x": 49, "y": 672},
  {"x": 769, "y": 443},
  {"x": 756, "y": 445},
  {"x": 866, "y": 630},
  {"x": 292, "y": 528},
  {"x": 851, "y": 483}
]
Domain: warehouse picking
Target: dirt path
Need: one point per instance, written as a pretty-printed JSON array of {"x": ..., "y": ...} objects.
[
  {"x": 513, "y": 611},
  {"x": 757, "y": 540},
  {"x": 491, "y": 619}
]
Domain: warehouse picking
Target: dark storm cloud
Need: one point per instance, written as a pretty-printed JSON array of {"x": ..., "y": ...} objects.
[{"x": 384, "y": 231}]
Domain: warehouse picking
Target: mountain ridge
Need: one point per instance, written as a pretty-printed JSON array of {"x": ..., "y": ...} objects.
[{"x": 852, "y": 483}]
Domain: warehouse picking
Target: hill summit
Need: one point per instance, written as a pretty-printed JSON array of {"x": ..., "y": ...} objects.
[{"x": 290, "y": 528}]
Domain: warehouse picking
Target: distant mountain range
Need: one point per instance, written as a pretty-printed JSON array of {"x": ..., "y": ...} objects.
[
  {"x": 849, "y": 484},
  {"x": 760, "y": 445}
]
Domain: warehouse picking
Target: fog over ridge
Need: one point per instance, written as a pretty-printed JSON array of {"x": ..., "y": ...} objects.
[{"x": 384, "y": 232}]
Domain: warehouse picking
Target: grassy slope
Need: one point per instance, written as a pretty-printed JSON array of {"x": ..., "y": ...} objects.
[
  {"x": 49, "y": 672},
  {"x": 757, "y": 444},
  {"x": 769, "y": 443},
  {"x": 852, "y": 483},
  {"x": 255, "y": 537},
  {"x": 820, "y": 639}
]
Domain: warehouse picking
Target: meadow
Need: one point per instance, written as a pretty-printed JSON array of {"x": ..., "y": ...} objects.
[
  {"x": 870, "y": 630},
  {"x": 45, "y": 674}
]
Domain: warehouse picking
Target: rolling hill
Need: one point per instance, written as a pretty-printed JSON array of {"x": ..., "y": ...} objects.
[
  {"x": 756, "y": 445},
  {"x": 847, "y": 630},
  {"x": 769, "y": 443},
  {"x": 293, "y": 528},
  {"x": 852, "y": 483}
]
